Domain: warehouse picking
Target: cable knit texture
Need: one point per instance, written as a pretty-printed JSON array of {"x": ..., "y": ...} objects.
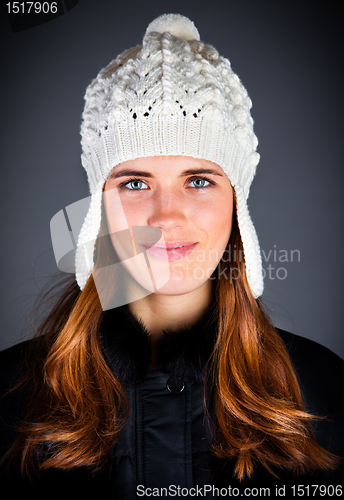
[{"x": 174, "y": 95}]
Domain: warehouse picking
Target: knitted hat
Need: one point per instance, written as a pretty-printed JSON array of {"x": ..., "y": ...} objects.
[{"x": 174, "y": 95}]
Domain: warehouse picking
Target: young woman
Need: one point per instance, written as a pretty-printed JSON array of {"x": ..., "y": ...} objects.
[{"x": 158, "y": 368}]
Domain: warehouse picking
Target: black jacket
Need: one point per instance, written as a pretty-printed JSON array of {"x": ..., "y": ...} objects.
[{"x": 166, "y": 442}]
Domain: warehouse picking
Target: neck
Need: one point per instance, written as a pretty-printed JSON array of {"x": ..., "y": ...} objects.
[{"x": 162, "y": 312}]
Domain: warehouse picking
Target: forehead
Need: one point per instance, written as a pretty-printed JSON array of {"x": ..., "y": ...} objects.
[{"x": 160, "y": 165}]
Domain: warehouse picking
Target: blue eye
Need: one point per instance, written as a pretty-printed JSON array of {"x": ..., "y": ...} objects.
[
  {"x": 200, "y": 182},
  {"x": 136, "y": 185}
]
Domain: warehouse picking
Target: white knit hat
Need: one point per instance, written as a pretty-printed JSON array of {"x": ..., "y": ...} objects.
[{"x": 174, "y": 95}]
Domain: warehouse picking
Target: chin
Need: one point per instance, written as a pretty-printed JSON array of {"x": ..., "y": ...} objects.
[{"x": 179, "y": 287}]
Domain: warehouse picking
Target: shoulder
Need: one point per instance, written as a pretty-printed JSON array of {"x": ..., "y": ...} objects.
[
  {"x": 15, "y": 353},
  {"x": 14, "y": 363},
  {"x": 310, "y": 355},
  {"x": 316, "y": 366},
  {"x": 320, "y": 373},
  {"x": 13, "y": 368},
  {"x": 313, "y": 360}
]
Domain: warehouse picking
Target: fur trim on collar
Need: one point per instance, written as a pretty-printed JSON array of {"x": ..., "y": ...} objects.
[{"x": 182, "y": 353}]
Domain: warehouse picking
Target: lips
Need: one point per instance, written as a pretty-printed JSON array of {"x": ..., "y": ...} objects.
[{"x": 175, "y": 250}]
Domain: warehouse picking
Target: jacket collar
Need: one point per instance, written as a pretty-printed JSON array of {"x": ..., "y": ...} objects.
[{"x": 182, "y": 353}]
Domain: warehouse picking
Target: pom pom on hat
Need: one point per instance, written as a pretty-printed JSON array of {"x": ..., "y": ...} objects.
[{"x": 176, "y": 25}]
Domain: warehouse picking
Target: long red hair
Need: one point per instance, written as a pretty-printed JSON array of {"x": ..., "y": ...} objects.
[{"x": 76, "y": 405}]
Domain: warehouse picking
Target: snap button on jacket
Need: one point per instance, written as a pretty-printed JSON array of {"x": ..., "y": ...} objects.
[{"x": 168, "y": 436}]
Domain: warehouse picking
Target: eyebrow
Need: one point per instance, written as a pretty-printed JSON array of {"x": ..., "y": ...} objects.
[{"x": 140, "y": 173}]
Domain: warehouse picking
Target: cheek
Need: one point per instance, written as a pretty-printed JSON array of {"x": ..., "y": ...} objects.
[
  {"x": 220, "y": 231},
  {"x": 215, "y": 218},
  {"x": 122, "y": 213},
  {"x": 135, "y": 212}
]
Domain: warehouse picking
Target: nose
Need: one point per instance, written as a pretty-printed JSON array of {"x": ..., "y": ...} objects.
[{"x": 168, "y": 211}]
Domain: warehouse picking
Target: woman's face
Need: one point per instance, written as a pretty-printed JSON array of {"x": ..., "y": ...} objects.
[{"x": 189, "y": 200}]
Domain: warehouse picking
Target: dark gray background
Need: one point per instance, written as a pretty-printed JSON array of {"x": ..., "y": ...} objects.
[{"x": 289, "y": 57}]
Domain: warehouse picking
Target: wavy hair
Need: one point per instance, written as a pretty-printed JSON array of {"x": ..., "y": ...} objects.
[{"x": 76, "y": 405}]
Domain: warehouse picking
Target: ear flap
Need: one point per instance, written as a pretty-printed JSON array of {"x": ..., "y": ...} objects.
[
  {"x": 87, "y": 238},
  {"x": 253, "y": 259}
]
